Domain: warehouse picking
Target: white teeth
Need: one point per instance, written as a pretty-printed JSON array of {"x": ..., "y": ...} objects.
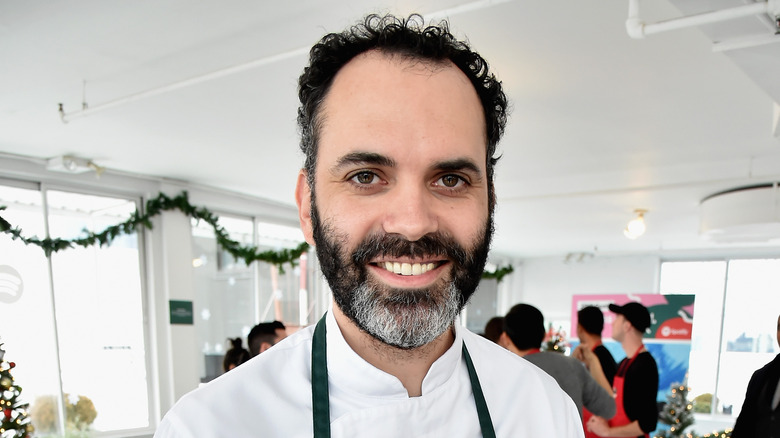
[{"x": 409, "y": 268}]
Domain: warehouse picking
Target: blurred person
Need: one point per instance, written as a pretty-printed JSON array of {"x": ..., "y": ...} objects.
[
  {"x": 636, "y": 381},
  {"x": 264, "y": 336},
  {"x": 235, "y": 356},
  {"x": 590, "y": 325},
  {"x": 523, "y": 335},
  {"x": 760, "y": 416},
  {"x": 493, "y": 328},
  {"x": 399, "y": 125},
  {"x": 281, "y": 330}
]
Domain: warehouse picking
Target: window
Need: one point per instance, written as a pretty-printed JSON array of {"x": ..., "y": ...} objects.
[
  {"x": 74, "y": 323},
  {"x": 734, "y": 327},
  {"x": 231, "y": 297}
]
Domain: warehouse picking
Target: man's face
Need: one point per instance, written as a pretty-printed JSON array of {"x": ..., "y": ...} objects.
[
  {"x": 399, "y": 212},
  {"x": 580, "y": 333},
  {"x": 618, "y": 327},
  {"x": 778, "y": 330}
]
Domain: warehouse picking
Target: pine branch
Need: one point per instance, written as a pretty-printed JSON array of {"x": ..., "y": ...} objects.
[{"x": 137, "y": 221}]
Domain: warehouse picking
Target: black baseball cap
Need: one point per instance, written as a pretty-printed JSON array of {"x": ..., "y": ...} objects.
[{"x": 635, "y": 313}]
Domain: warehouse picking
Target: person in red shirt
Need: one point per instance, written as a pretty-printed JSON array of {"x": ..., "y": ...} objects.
[
  {"x": 636, "y": 382},
  {"x": 590, "y": 324}
]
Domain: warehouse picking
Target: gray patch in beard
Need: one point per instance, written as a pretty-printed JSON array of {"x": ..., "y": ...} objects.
[{"x": 404, "y": 320}]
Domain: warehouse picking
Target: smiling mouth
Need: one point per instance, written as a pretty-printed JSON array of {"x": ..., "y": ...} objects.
[{"x": 408, "y": 268}]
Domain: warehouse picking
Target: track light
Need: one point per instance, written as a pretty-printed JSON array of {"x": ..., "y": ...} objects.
[
  {"x": 73, "y": 164},
  {"x": 636, "y": 226}
]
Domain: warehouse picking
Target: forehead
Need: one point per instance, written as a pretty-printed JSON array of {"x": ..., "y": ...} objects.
[{"x": 394, "y": 103}]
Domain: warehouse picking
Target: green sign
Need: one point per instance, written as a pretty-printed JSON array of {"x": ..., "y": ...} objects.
[{"x": 181, "y": 312}]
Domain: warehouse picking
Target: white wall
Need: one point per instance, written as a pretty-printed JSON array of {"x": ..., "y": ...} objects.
[{"x": 549, "y": 283}]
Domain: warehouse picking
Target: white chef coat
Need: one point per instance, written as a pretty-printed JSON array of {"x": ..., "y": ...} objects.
[{"x": 270, "y": 396}]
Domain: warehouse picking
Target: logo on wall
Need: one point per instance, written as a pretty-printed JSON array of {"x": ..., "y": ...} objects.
[
  {"x": 671, "y": 316},
  {"x": 11, "y": 284}
]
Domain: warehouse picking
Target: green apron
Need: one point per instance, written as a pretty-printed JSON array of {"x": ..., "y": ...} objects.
[{"x": 319, "y": 387}]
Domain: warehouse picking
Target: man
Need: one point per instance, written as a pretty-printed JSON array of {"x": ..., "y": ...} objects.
[
  {"x": 636, "y": 380},
  {"x": 590, "y": 324},
  {"x": 399, "y": 127},
  {"x": 265, "y": 335},
  {"x": 493, "y": 328},
  {"x": 760, "y": 414},
  {"x": 523, "y": 335}
]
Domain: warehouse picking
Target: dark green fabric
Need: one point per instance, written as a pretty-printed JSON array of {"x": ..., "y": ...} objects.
[
  {"x": 319, "y": 387},
  {"x": 319, "y": 382}
]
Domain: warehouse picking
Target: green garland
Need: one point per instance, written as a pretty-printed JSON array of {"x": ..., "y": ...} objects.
[
  {"x": 181, "y": 202},
  {"x": 499, "y": 273},
  {"x": 153, "y": 208}
]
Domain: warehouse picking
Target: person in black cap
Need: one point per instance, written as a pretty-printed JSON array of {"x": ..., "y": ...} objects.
[
  {"x": 636, "y": 382},
  {"x": 590, "y": 324}
]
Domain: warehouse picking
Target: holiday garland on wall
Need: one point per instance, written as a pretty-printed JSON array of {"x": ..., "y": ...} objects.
[
  {"x": 181, "y": 202},
  {"x": 499, "y": 273},
  {"x": 153, "y": 208}
]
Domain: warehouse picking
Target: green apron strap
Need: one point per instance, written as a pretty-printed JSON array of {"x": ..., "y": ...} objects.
[
  {"x": 319, "y": 387},
  {"x": 485, "y": 423},
  {"x": 319, "y": 382}
]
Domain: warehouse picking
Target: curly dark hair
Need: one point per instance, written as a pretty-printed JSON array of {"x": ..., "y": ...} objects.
[{"x": 409, "y": 38}]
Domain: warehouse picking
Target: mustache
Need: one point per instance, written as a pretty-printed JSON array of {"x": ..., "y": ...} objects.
[{"x": 434, "y": 244}]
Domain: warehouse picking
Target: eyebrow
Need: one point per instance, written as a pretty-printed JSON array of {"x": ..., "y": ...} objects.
[
  {"x": 354, "y": 158},
  {"x": 362, "y": 158},
  {"x": 462, "y": 164}
]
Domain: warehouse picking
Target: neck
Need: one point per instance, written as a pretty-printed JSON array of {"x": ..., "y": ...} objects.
[
  {"x": 409, "y": 366},
  {"x": 591, "y": 340},
  {"x": 511, "y": 347},
  {"x": 631, "y": 344}
]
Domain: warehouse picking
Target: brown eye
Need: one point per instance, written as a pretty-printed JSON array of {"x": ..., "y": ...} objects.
[
  {"x": 450, "y": 180},
  {"x": 364, "y": 178}
]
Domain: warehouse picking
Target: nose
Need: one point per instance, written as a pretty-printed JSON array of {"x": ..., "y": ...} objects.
[{"x": 411, "y": 212}]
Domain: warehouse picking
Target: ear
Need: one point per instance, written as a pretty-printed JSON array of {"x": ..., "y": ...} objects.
[
  {"x": 303, "y": 199},
  {"x": 265, "y": 346},
  {"x": 504, "y": 340}
]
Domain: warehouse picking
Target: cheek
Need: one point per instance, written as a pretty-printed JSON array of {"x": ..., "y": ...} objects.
[
  {"x": 465, "y": 224},
  {"x": 346, "y": 217}
]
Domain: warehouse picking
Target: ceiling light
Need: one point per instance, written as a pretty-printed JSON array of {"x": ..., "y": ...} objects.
[
  {"x": 72, "y": 164},
  {"x": 636, "y": 226}
]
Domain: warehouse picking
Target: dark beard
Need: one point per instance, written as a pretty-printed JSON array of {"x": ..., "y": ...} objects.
[{"x": 403, "y": 318}]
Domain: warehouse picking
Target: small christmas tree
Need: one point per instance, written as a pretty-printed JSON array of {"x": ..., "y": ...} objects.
[
  {"x": 15, "y": 422},
  {"x": 555, "y": 340},
  {"x": 677, "y": 412}
]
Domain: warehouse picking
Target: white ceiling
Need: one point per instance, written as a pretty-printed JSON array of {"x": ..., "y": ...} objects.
[{"x": 601, "y": 123}]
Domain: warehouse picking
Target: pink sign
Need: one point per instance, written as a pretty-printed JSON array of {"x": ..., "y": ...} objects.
[{"x": 671, "y": 316}]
